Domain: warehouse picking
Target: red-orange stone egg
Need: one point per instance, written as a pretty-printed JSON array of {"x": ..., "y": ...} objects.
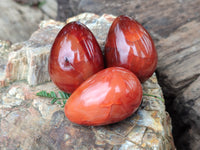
[
  {"x": 108, "y": 96},
  {"x": 130, "y": 46},
  {"x": 75, "y": 56}
]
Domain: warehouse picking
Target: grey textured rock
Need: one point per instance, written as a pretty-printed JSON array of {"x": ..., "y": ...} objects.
[
  {"x": 50, "y": 8},
  {"x": 18, "y": 22},
  {"x": 67, "y": 8},
  {"x": 179, "y": 68}
]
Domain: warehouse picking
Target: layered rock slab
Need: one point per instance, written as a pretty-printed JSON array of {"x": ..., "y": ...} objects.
[{"x": 31, "y": 122}]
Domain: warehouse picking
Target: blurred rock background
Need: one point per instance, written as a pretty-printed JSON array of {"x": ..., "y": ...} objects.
[
  {"x": 20, "y": 18},
  {"x": 174, "y": 26}
]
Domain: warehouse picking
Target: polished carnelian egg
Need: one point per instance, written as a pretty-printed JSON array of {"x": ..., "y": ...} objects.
[
  {"x": 109, "y": 96},
  {"x": 75, "y": 56},
  {"x": 130, "y": 46}
]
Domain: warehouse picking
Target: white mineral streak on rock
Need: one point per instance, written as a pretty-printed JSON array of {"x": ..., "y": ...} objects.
[
  {"x": 13, "y": 98},
  {"x": 137, "y": 134},
  {"x": 129, "y": 146},
  {"x": 17, "y": 67},
  {"x": 37, "y": 64}
]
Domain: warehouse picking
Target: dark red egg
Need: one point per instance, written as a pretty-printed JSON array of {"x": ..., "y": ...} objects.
[
  {"x": 130, "y": 46},
  {"x": 108, "y": 96},
  {"x": 75, "y": 56}
]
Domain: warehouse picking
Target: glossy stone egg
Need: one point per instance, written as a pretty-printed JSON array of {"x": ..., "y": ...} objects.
[
  {"x": 75, "y": 56},
  {"x": 129, "y": 45},
  {"x": 109, "y": 96}
]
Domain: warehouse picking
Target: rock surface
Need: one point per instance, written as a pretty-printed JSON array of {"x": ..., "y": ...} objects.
[
  {"x": 174, "y": 26},
  {"x": 31, "y": 122},
  {"x": 49, "y": 8},
  {"x": 66, "y": 9},
  {"x": 18, "y": 21},
  {"x": 179, "y": 70}
]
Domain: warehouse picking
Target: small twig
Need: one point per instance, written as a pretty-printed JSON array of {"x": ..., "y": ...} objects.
[{"x": 144, "y": 94}]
